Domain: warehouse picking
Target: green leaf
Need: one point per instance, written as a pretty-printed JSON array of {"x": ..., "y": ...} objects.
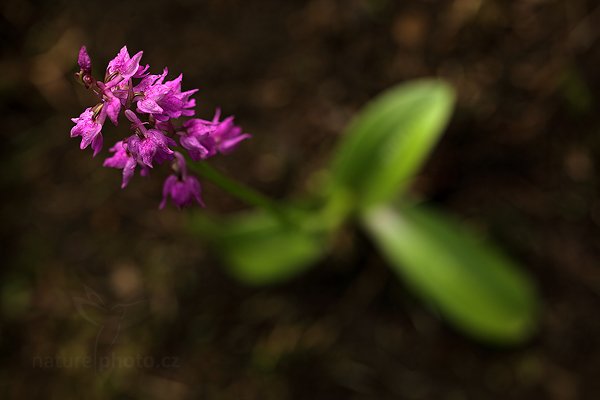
[
  {"x": 473, "y": 285},
  {"x": 258, "y": 248},
  {"x": 387, "y": 143}
]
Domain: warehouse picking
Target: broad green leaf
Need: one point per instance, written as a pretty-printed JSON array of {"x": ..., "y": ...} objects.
[
  {"x": 259, "y": 249},
  {"x": 386, "y": 144},
  {"x": 473, "y": 285}
]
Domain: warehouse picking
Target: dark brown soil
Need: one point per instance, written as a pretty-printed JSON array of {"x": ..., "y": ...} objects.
[{"x": 518, "y": 162}]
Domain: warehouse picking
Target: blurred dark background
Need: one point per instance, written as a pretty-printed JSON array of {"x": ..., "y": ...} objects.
[{"x": 85, "y": 264}]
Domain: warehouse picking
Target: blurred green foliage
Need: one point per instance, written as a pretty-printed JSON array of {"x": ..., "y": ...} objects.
[
  {"x": 473, "y": 286},
  {"x": 387, "y": 143},
  {"x": 259, "y": 248}
]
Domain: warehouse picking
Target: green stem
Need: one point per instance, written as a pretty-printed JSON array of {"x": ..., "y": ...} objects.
[{"x": 240, "y": 191}]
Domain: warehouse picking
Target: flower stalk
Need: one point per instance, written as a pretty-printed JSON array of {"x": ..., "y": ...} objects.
[{"x": 240, "y": 191}]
